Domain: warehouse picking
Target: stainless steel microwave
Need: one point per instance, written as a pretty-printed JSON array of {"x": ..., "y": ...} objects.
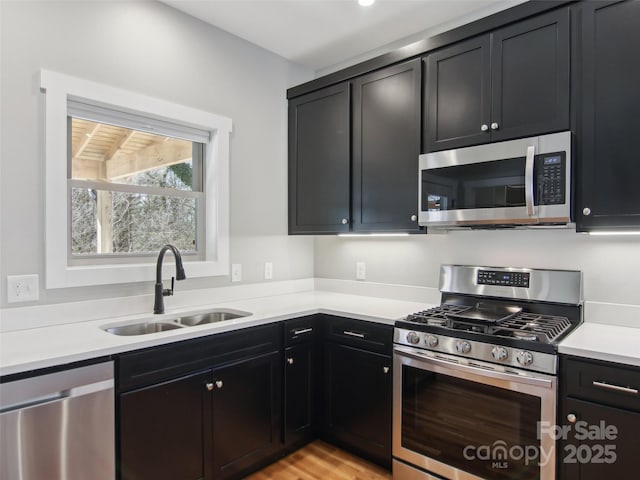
[{"x": 518, "y": 182}]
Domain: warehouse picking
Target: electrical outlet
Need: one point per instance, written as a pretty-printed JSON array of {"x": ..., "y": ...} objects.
[
  {"x": 23, "y": 288},
  {"x": 268, "y": 270},
  {"x": 361, "y": 271},
  {"x": 236, "y": 272}
]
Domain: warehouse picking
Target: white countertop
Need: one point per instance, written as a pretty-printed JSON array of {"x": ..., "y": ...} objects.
[
  {"x": 34, "y": 348},
  {"x": 604, "y": 342}
]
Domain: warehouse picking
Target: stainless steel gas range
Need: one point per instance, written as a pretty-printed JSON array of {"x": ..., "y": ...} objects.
[{"x": 475, "y": 378}]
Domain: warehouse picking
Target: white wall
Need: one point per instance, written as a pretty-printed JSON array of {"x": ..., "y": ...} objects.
[
  {"x": 610, "y": 265},
  {"x": 150, "y": 48}
]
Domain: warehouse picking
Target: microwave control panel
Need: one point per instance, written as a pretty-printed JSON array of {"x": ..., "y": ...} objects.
[{"x": 550, "y": 178}]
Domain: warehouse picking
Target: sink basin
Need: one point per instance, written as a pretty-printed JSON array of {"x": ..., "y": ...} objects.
[
  {"x": 142, "y": 328},
  {"x": 210, "y": 317}
]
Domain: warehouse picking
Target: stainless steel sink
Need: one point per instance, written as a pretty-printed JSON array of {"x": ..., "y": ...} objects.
[
  {"x": 142, "y": 328},
  {"x": 145, "y": 328},
  {"x": 210, "y": 317}
]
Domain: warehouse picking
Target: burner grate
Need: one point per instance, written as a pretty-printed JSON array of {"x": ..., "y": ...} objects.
[
  {"x": 436, "y": 315},
  {"x": 534, "y": 327}
]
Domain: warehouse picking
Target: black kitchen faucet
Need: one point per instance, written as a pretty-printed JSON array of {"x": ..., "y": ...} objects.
[{"x": 158, "y": 305}]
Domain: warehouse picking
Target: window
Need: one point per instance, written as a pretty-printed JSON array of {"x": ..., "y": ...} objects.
[{"x": 126, "y": 174}]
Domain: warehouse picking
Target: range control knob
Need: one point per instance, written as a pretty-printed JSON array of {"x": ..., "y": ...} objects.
[
  {"x": 524, "y": 358},
  {"x": 463, "y": 347},
  {"x": 413, "y": 338},
  {"x": 432, "y": 341},
  {"x": 499, "y": 353}
]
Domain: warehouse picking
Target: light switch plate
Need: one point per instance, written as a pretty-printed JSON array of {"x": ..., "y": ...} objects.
[{"x": 23, "y": 288}]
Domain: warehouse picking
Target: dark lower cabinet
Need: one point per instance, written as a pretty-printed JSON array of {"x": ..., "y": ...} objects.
[
  {"x": 202, "y": 409},
  {"x": 246, "y": 415},
  {"x": 357, "y": 401},
  {"x": 600, "y": 418},
  {"x": 299, "y": 394},
  {"x": 301, "y": 381},
  {"x": 165, "y": 431},
  {"x": 608, "y": 197}
]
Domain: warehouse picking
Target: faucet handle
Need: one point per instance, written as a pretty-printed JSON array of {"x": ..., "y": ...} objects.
[{"x": 169, "y": 291}]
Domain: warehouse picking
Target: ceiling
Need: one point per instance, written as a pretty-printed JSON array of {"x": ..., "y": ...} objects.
[{"x": 323, "y": 33}]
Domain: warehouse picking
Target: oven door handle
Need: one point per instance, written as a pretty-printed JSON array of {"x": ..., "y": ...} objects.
[{"x": 530, "y": 377}]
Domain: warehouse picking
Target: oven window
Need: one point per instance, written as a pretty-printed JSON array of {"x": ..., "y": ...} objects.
[
  {"x": 495, "y": 184},
  {"x": 484, "y": 430}
]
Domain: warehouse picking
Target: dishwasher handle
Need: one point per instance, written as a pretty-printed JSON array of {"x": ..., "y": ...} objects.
[
  {"x": 58, "y": 396},
  {"x": 53, "y": 387}
]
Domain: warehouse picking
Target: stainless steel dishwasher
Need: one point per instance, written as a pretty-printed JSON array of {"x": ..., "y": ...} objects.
[{"x": 59, "y": 426}]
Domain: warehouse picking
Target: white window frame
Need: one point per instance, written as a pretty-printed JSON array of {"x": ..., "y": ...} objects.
[{"x": 58, "y": 88}]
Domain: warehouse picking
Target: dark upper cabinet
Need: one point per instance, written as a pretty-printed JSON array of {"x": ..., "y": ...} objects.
[
  {"x": 599, "y": 398},
  {"x": 386, "y": 145},
  {"x": 608, "y": 197},
  {"x": 511, "y": 83},
  {"x": 246, "y": 414},
  {"x": 353, "y": 162},
  {"x": 320, "y": 161},
  {"x": 164, "y": 430},
  {"x": 458, "y": 90}
]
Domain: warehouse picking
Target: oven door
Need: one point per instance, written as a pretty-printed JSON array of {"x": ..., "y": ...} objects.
[{"x": 468, "y": 421}]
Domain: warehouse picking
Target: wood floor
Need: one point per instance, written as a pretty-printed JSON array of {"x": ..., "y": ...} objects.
[{"x": 321, "y": 461}]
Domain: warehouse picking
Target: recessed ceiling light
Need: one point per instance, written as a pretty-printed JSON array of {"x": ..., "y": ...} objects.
[{"x": 365, "y": 3}]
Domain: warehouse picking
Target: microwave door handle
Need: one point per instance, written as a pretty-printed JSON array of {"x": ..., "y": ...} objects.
[{"x": 528, "y": 180}]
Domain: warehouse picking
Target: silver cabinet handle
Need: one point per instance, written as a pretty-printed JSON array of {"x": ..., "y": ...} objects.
[
  {"x": 484, "y": 127},
  {"x": 615, "y": 388},
  {"x": 209, "y": 386},
  {"x": 494, "y": 126},
  {"x": 304, "y": 330},
  {"x": 290, "y": 361},
  {"x": 353, "y": 334},
  {"x": 219, "y": 383},
  {"x": 385, "y": 369},
  {"x": 344, "y": 221},
  {"x": 586, "y": 211},
  {"x": 414, "y": 218},
  {"x": 571, "y": 418},
  {"x": 528, "y": 179}
]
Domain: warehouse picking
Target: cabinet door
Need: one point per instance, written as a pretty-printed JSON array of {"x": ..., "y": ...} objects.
[
  {"x": 599, "y": 458},
  {"x": 319, "y": 161},
  {"x": 358, "y": 401},
  {"x": 608, "y": 169},
  {"x": 246, "y": 415},
  {"x": 458, "y": 95},
  {"x": 530, "y": 77},
  {"x": 165, "y": 430},
  {"x": 386, "y": 145},
  {"x": 300, "y": 394}
]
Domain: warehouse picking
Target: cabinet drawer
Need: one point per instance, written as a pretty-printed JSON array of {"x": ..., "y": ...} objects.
[
  {"x": 156, "y": 364},
  {"x": 369, "y": 336},
  {"x": 300, "y": 330},
  {"x": 608, "y": 383}
]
